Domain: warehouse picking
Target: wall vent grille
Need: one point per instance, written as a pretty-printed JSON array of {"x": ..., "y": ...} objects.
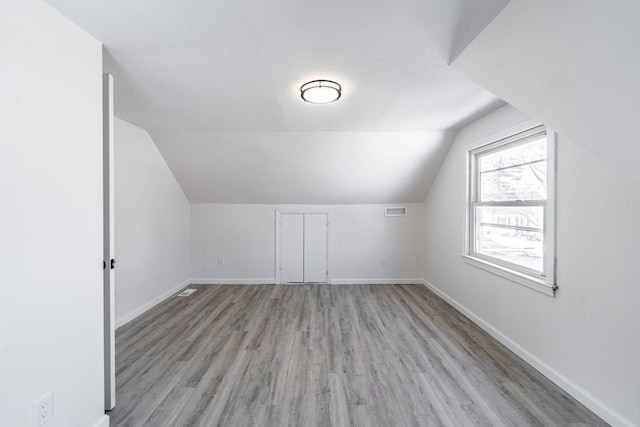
[{"x": 395, "y": 211}]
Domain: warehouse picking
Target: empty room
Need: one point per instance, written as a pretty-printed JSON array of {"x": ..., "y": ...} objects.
[{"x": 319, "y": 213}]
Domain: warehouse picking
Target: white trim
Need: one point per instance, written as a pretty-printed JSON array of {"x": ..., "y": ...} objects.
[
  {"x": 277, "y": 237},
  {"x": 529, "y": 281},
  {"x": 594, "y": 404},
  {"x": 505, "y": 133},
  {"x": 109, "y": 253},
  {"x": 149, "y": 305},
  {"x": 516, "y": 273},
  {"x": 402, "y": 281},
  {"x": 551, "y": 214},
  {"x": 529, "y": 124},
  {"x": 104, "y": 421},
  {"x": 217, "y": 281},
  {"x": 271, "y": 281},
  {"x": 276, "y": 258}
]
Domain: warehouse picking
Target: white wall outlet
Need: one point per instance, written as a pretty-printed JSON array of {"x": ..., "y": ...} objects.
[
  {"x": 220, "y": 261},
  {"x": 43, "y": 409},
  {"x": 383, "y": 262}
]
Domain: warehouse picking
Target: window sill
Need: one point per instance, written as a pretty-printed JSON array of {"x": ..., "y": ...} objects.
[{"x": 521, "y": 278}]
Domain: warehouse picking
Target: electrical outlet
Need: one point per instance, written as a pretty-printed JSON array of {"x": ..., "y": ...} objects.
[
  {"x": 220, "y": 262},
  {"x": 383, "y": 262},
  {"x": 42, "y": 410}
]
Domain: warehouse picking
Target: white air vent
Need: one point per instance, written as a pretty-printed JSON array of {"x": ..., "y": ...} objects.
[
  {"x": 187, "y": 292},
  {"x": 395, "y": 211}
]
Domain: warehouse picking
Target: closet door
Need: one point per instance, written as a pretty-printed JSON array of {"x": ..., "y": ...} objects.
[
  {"x": 315, "y": 248},
  {"x": 291, "y": 248}
]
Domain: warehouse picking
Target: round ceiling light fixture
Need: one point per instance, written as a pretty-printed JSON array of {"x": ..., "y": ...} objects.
[{"x": 320, "y": 91}]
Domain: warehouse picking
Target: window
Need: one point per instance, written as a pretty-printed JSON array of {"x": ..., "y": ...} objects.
[{"x": 511, "y": 210}]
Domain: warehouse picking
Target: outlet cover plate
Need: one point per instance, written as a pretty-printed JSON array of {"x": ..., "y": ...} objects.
[{"x": 43, "y": 409}]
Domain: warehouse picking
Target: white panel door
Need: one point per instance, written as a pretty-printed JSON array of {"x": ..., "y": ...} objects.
[
  {"x": 315, "y": 248},
  {"x": 291, "y": 248},
  {"x": 109, "y": 246}
]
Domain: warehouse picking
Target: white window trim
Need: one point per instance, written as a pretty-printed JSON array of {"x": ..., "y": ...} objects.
[{"x": 545, "y": 283}]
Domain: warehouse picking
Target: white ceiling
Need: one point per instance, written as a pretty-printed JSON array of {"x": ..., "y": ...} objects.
[
  {"x": 217, "y": 81},
  {"x": 546, "y": 68},
  {"x": 306, "y": 167}
]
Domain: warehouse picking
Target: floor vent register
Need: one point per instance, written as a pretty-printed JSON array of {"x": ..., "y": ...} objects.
[{"x": 187, "y": 292}]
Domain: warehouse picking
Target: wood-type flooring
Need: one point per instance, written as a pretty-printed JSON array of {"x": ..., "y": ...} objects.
[{"x": 323, "y": 355}]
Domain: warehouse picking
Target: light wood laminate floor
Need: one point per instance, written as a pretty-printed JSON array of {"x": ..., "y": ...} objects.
[{"x": 322, "y": 355}]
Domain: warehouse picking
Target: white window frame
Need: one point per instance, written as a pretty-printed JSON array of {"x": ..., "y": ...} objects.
[{"x": 545, "y": 282}]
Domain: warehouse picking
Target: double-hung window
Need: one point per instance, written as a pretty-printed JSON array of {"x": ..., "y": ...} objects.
[{"x": 511, "y": 208}]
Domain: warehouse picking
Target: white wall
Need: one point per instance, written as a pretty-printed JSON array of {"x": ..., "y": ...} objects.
[
  {"x": 360, "y": 236},
  {"x": 50, "y": 218},
  {"x": 587, "y": 337},
  {"x": 151, "y": 224},
  {"x": 574, "y": 65}
]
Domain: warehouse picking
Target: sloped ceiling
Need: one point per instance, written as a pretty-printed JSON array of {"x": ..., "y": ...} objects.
[
  {"x": 216, "y": 84},
  {"x": 574, "y": 66},
  {"x": 307, "y": 167}
]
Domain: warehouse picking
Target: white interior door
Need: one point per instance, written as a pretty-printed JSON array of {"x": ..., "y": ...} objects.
[
  {"x": 315, "y": 248},
  {"x": 303, "y": 247},
  {"x": 291, "y": 248},
  {"x": 109, "y": 248}
]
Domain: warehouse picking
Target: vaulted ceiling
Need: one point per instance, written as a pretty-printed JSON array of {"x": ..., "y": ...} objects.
[{"x": 216, "y": 84}]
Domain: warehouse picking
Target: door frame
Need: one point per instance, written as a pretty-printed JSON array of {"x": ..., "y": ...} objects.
[
  {"x": 108, "y": 278},
  {"x": 280, "y": 212}
]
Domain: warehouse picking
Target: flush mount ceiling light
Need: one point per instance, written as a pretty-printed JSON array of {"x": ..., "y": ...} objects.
[{"x": 320, "y": 91}]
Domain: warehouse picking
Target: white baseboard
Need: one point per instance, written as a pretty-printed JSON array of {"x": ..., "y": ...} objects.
[
  {"x": 581, "y": 395},
  {"x": 267, "y": 281},
  {"x": 102, "y": 422},
  {"x": 402, "y": 281},
  {"x": 157, "y": 300},
  {"x": 271, "y": 281}
]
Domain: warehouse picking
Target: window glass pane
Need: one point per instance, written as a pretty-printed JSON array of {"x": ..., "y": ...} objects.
[
  {"x": 530, "y": 151},
  {"x": 526, "y": 182},
  {"x": 511, "y": 233}
]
